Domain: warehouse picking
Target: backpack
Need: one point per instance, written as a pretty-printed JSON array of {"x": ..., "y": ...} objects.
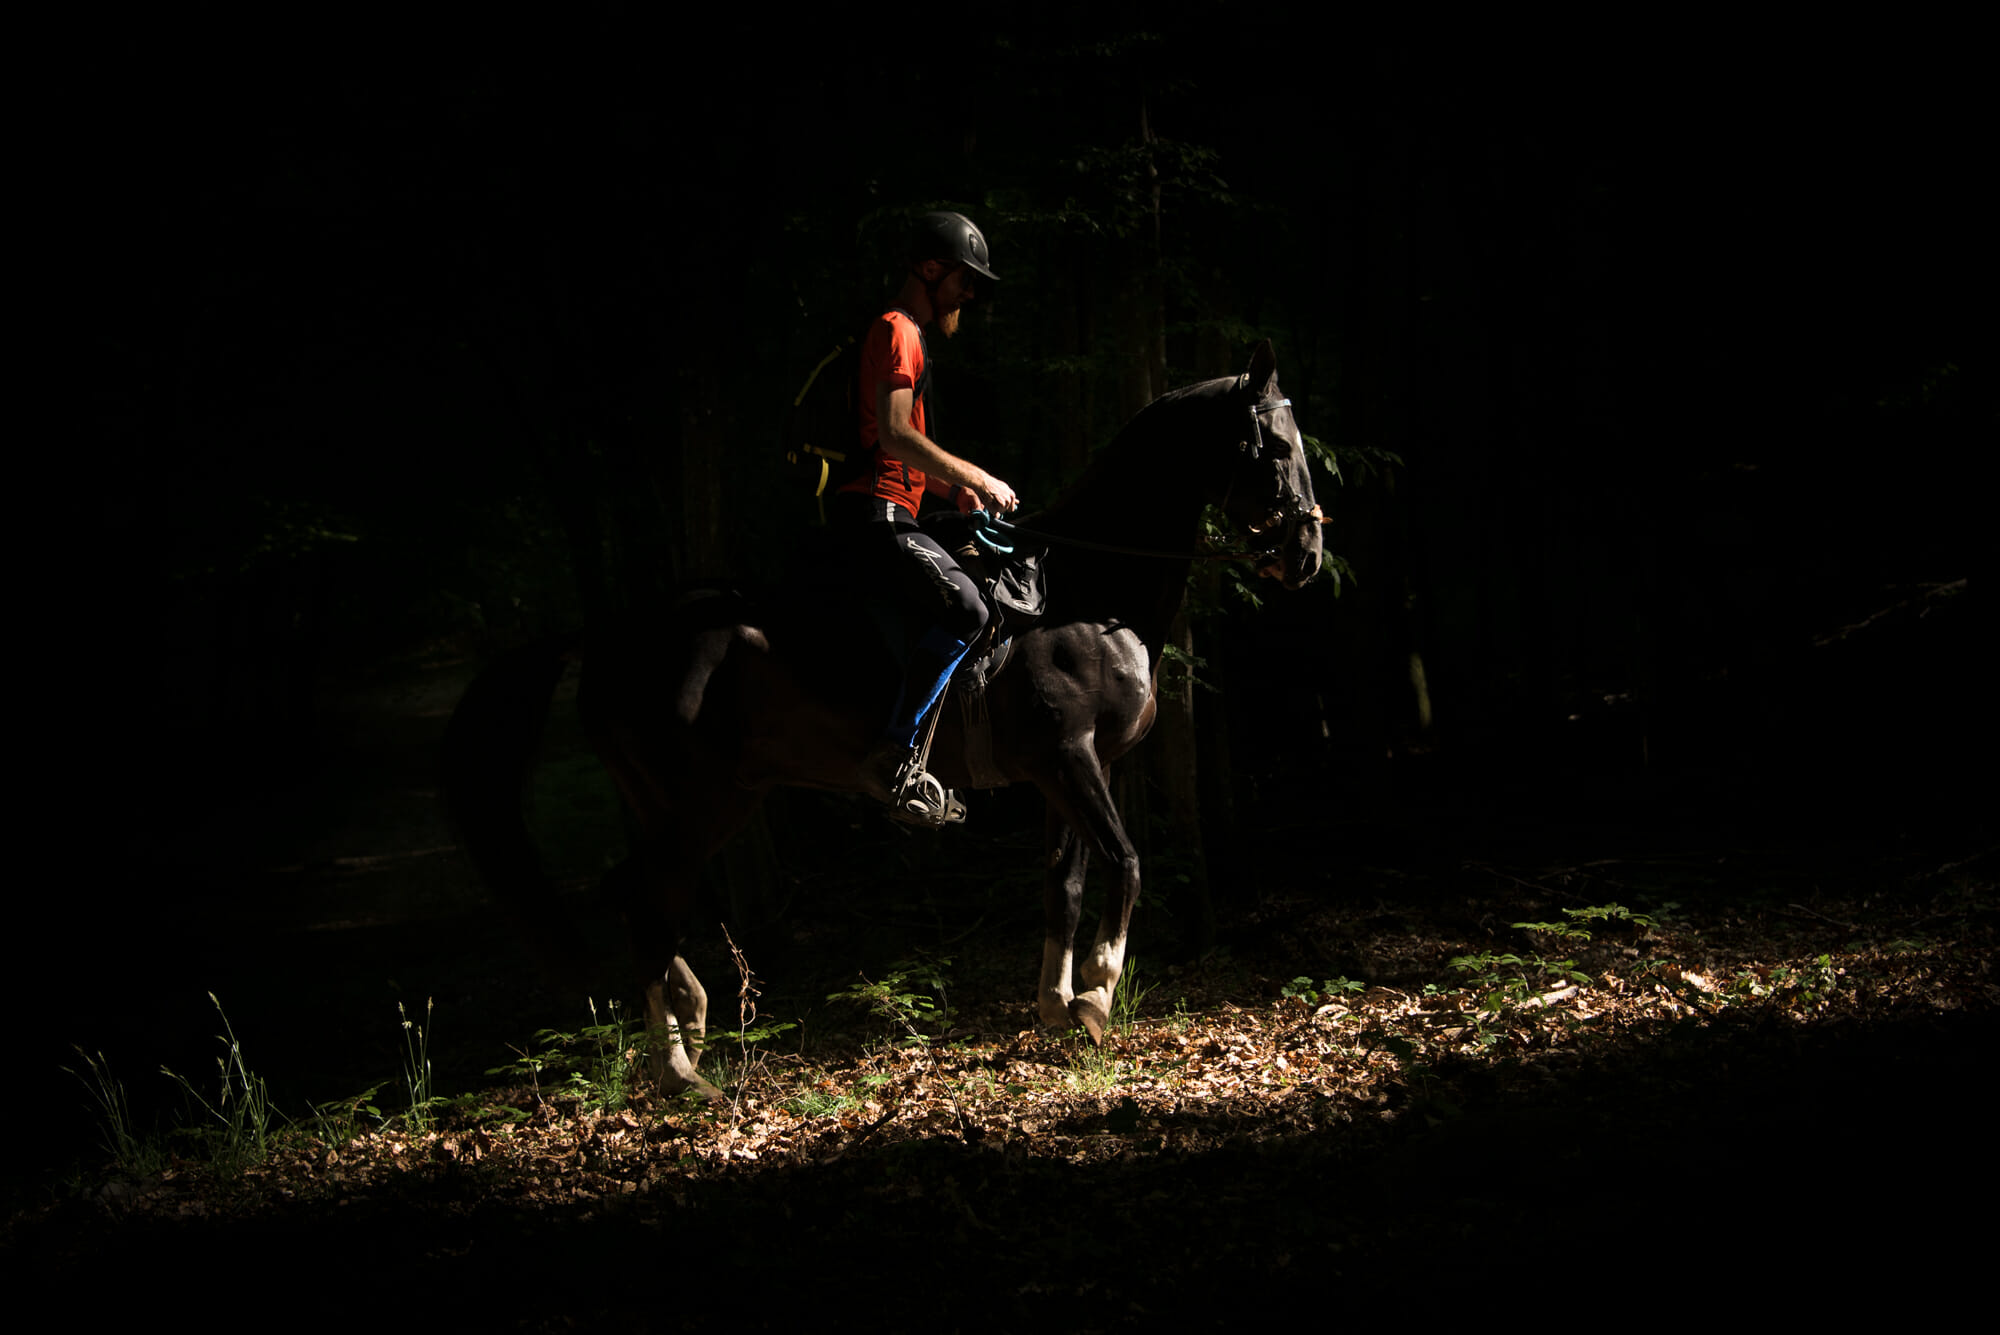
[{"x": 821, "y": 430}]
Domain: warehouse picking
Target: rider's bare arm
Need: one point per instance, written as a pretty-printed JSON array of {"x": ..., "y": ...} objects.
[{"x": 904, "y": 443}]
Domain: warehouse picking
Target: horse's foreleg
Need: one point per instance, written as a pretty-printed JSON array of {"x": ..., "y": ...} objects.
[
  {"x": 1087, "y": 797},
  {"x": 1062, "y": 903},
  {"x": 1098, "y": 972}
]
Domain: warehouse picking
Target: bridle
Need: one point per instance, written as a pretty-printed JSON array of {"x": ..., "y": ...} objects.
[{"x": 1291, "y": 507}]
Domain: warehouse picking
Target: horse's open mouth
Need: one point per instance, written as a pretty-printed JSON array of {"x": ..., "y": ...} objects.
[{"x": 1293, "y": 557}]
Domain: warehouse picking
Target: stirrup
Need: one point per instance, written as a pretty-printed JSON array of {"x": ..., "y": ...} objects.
[{"x": 922, "y": 800}]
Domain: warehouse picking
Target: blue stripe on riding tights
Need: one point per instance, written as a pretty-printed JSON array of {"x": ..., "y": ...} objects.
[{"x": 930, "y": 667}]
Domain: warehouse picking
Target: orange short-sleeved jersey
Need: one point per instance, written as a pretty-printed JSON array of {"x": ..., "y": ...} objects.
[{"x": 891, "y": 354}]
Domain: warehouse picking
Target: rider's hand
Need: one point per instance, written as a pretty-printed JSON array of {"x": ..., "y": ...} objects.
[
  {"x": 998, "y": 494},
  {"x": 967, "y": 500}
]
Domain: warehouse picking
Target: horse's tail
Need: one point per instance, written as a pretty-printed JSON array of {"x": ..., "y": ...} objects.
[{"x": 490, "y": 747}]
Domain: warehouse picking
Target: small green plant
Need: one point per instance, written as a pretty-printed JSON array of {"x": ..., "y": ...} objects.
[
  {"x": 1306, "y": 990},
  {"x": 417, "y": 1068},
  {"x": 132, "y": 1153},
  {"x": 819, "y": 1103},
  {"x": 339, "y": 1120},
  {"x": 242, "y": 1111},
  {"x": 1128, "y": 996},
  {"x": 1810, "y": 987},
  {"x": 903, "y": 996},
  {"x": 600, "y": 1058},
  {"x": 1093, "y": 1068},
  {"x": 1502, "y": 980},
  {"x": 1574, "y": 929}
]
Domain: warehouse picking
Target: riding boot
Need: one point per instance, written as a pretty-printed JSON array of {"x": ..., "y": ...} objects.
[
  {"x": 889, "y": 774},
  {"x": 882, "y": 772}
]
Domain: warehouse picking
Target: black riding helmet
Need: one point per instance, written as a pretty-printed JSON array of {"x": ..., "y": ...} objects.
[{"x": 955, "y": 239}]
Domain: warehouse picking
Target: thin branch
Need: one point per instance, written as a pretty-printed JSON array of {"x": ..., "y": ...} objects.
[{"x": 1930, "y": 594}]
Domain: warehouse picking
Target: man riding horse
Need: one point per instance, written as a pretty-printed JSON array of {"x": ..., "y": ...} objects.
[{"x": 947, "y": 259}]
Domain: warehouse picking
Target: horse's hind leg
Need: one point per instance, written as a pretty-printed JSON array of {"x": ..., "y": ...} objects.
[
  {"x": 654, "y": 894},
  {"x": 677, "y": 1040},
  {"x": 1062, "y": 904}
]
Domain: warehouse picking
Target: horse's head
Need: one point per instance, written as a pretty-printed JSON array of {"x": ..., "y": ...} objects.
[{"x": 1271, "y": 491}]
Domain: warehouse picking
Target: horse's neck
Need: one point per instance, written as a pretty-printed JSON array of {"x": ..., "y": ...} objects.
[
  {"x": 1148, "y": 486},
  {"x": 1145, "y": 491}
]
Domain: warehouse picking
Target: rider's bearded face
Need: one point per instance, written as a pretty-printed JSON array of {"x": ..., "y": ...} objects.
[{"x": 951, "y": 294}]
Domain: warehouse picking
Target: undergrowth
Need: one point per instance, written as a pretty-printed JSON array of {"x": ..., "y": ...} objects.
[{"x": 1503, "y": 1003}]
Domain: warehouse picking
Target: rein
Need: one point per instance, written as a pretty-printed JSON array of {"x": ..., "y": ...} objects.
[{"x": 989, "y": 529}]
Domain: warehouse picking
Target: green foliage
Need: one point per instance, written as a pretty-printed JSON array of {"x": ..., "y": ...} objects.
[
  {"x": 1505, "y": 978},
  {"x": 904, "y": 995},
  {"x": 337, "y": 1120},
  {"x": 1501, "y": 980},
  {"x": 131, "y": 1152},
  {"x": 597, "y": 1064},
  {"x": 1128, "y": 996},
  {"x": 602, "y": 1063},
  {"x": 1573, "y": 930},
  {"x": 1809, "y": 988},
  {"x": 242, "y": 1111},
  {"x": 820, "y": 1103},
  {"x": 1178, "y": 666},
  {"x": 1360, "y": 464},
  {"x": 1306, "y": 990}
]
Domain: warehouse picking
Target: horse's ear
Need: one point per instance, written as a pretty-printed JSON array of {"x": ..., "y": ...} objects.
[{"x": 1263, "y": 371}]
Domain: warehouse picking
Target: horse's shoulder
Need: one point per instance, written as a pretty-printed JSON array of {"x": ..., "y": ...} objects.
[{"x": 1086, "y": 648}]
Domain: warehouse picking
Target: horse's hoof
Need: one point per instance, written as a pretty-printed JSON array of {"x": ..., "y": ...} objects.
[
  {"x": 1091, "y": 1016},
  {"x": 710, "y": 1096}
]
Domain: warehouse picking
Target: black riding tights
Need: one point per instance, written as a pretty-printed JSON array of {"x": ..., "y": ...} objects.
[{"x": 926, "y": 580}]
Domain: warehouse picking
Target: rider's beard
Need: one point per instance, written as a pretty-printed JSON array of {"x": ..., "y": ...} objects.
[{"x": 948, "y": 323}]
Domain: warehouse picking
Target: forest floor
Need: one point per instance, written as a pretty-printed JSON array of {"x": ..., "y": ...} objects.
[{"x": 1742, "y": 1059}]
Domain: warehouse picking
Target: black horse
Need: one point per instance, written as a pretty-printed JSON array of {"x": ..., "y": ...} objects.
[{"x": 697, "y": 715}]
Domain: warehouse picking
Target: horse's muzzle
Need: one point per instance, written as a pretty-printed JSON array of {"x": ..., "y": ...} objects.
[{"x": 1296, "y": 560}]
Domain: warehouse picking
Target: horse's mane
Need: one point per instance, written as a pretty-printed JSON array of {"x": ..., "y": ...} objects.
[{"x": 1112, "y": 464}]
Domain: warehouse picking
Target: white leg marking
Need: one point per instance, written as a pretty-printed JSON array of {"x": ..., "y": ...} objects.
[
  {"x": 690, "y": 1001},
  {"x": 672, "y": 1067},
  {"x": 1103, "y": 965},
  {"x": 1055, "y": 992}
]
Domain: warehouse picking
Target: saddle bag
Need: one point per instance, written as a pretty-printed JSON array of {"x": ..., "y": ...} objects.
[
  {"x": 1018, "y": 591},
  {"x": 1015, "y": 583}
]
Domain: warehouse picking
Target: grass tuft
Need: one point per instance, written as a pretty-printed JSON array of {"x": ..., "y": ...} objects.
[{"x": 242, "y": 1111}]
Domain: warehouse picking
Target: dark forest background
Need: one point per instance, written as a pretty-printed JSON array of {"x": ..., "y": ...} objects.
[{"x": 1659, "y": 369}]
